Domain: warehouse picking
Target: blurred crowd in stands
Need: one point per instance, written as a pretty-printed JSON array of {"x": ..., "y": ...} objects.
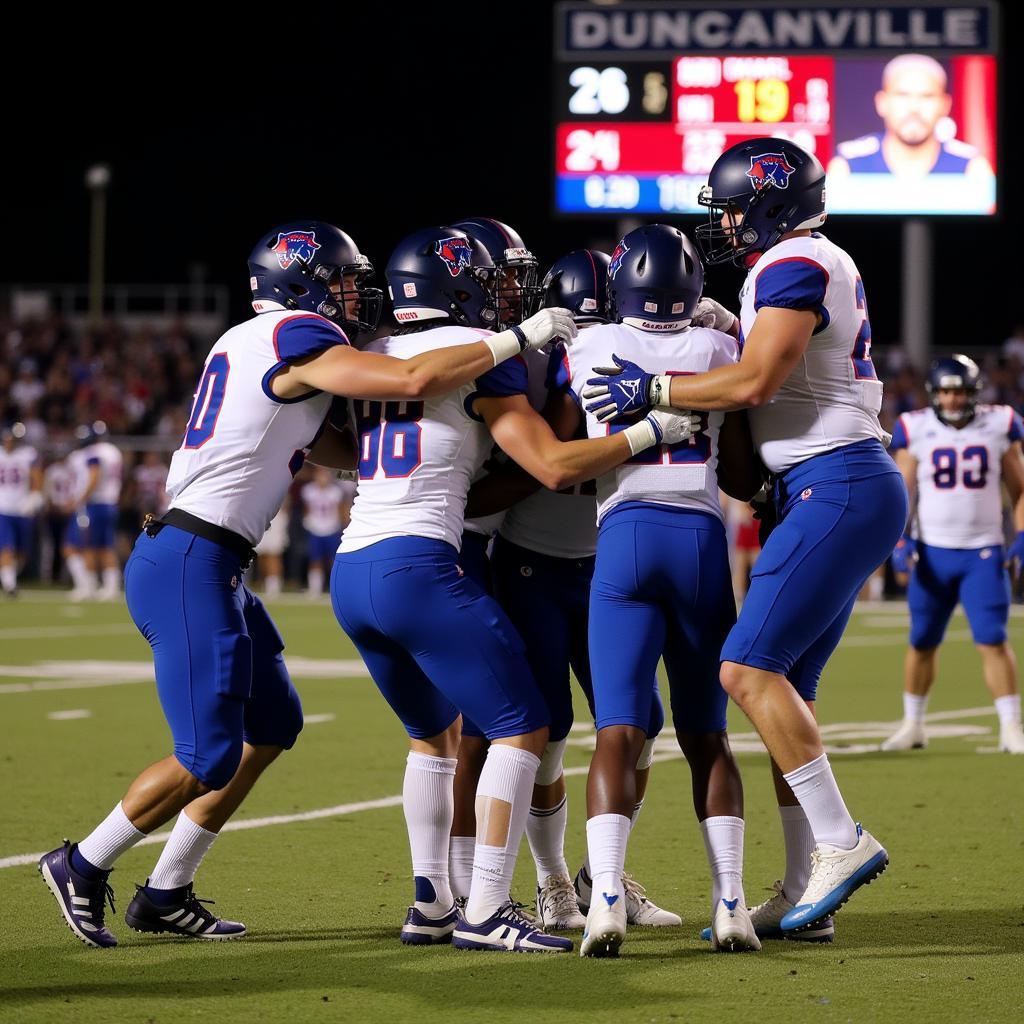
[{"x": 138, "y": 381}]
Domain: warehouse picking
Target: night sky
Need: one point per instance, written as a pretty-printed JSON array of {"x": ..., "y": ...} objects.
[{"x": 379, "y": 122}]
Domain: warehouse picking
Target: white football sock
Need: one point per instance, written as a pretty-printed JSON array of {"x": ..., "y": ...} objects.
[
  {"x": 914, "y": 707},
  {"x": 507, "y": 777},
  {"x": 607, "y": 836},
  {"x": 723, "y": 841},
  {"x": 180, "y": 859},
  {"x": 112, "y": 837},
  {"x": 799, "y": 842},
  {"x": 461, "y": 850},
  {"x": 316, "y": 581},
  {"x": 112, "y": 580},
  {"x": 8, "y": 578},
  {"x": 545, "y": 828},
  {"x": 428, "y": 799},
  {"x": 814, "y": 785},
  {"x": 272, "y": 586},
  {"x": 1008, "y": 709},
  {"x": 81, "y": 579}
]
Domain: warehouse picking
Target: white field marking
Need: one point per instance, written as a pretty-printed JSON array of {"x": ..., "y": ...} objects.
[
  {"x": 67, "y": 716},
  {"x": 669, "y": 752},
  {"x": 73, "y": 611},
  {"x": 885, "y": 621},
  {"x": 53, "y": 675},
  {"x": 318, "y": 719},
  {"x": 54, "y": 632}
]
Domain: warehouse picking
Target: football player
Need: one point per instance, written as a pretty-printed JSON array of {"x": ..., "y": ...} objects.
[
  {"x": 98, "y": 500},
  {"x": 260, "y": 406},
  {"x": 662, "y": 585},
  {"x": 807, "y": 378},
  {"x": 955, "y": 456},
  {"x": 327, "y": 502},
  {"x": 21, "y": 498},
  {"x": 435, "y": 642}
]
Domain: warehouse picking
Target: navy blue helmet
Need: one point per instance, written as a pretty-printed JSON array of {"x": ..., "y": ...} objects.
[
  {"x": 516, "y": 286},
  {"x": 767, "y": 187},
  {"x": 294, "y": 266},
  {"x": 578, "y": 282},
  {"x": 954, "y": 372},
  {"x": 442, "y": 273},
  {"x": 655, "y": 279}
]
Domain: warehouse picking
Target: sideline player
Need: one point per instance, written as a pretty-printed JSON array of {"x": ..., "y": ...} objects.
[
  {"x": 327, "y": 504},
  {"x": 955, "y": 456},
  {"x": 435, "y": 643},
  {"x": 21, "y": 499},
  {"x": 100, "y": 497},
  {"x": 807, "y": 378},
  {"x": 662, "y": 584},
  {"x": 260, "y": 405}
]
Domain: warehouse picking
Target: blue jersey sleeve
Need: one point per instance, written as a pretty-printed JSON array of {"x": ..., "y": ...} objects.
[
  {"x": 557, "y": 376},
  {"x": 899, "y": 436},
  {"x": 507, "y": 378},
  {"x": 793, "y": 283},
  {"x": 303, "y": 336},
  {"x": 1016, "y": 431}
]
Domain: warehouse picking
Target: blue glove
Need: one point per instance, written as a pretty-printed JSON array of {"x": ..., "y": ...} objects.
[
  {"x": 904, "y": 554},
  {"x": 623, "y": 389}
]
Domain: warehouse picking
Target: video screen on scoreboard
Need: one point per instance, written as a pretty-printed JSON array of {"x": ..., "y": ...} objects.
[{"x": 910, "y": 134}]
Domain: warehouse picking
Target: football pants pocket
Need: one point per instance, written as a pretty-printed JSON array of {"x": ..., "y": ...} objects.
[{"x": 233, "y": 663}]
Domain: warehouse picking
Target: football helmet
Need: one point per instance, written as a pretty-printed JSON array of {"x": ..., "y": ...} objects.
[
  {"x": 89, "y": 433},
  {"x": 959, "y": 372},
  {"x": 579, "y": 282},
  {"x": 765, "y": 187},
  {"x": 655, "y": 279},
  {"x": 442, "y": 273},
  {"x": 294, "y": 266},
  {"x": 517, "y": 292}
]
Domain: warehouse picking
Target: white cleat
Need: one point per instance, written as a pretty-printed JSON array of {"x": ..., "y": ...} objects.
[
  {"x": 909, "y": 736},
  {"x": 732, "y": 931},
  {"x": 640, "y": 910},
  {"x": 1011, "y": 738},
  {"x": 836, "y": 875},
  {"x": 81, "y": 594},
  {"x": 767, "y": 918},
  {"x": 557, "y": 906},
  {"x": 606, "y": 926}
]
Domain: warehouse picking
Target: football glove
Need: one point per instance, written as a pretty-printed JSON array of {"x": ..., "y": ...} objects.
[
  {"x": 622, "y": 389},
  {"x": 710, "y": 313},
  {"x": 904, "y": 554}
]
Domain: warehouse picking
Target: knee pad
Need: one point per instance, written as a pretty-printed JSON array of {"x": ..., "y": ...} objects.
[
  {"x": 550, "y": 769},
  {"x": 646, "y": 758}
]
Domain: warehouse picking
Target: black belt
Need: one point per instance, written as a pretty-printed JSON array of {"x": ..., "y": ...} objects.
[{"x": 234, "y": 542}]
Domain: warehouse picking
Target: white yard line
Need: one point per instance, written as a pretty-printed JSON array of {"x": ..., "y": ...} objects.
[{"x": 833, "y": 730}]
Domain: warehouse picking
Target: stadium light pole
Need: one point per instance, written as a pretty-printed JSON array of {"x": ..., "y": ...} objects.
[
  {"x": 97, "y": 178},
  {"x": 916, "y": 314}
]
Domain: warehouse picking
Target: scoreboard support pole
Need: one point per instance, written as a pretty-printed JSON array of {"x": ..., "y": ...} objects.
[{"x": 916, "y": 312}]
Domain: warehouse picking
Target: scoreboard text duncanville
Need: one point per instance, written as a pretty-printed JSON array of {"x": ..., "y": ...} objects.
[{"x": 899, "y": 102}]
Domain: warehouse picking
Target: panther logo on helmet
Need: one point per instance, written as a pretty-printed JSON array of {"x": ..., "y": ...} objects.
[
  {"x": 295, "y": 245},
  {"x": 456, "y": 253},
  {"x": 617, "y": 256},
  {"x": 770, "y": 169}
]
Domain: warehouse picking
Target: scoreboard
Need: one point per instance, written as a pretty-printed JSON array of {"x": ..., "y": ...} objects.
[{"x": 639, "y": 121}]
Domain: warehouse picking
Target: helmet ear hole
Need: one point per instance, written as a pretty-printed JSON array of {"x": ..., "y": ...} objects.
[
  {"x": 641, "y": 265},
  {"x": 774, "y": 211},
  {"x": 687, "y": 262}
]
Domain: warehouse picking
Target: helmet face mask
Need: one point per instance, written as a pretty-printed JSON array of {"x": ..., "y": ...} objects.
[
  {"x": 958, "y": 373},
  {"x": 315, "y": 267}
]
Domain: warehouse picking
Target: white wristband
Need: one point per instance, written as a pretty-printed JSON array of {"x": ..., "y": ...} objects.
[
  {"x": 640, "y": 436},
  {"x": 660, "y": 391},
  {"x": 503, "y": 346}
]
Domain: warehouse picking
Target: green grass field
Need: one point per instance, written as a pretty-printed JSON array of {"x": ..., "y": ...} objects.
[{"x": 938, "y": 937}]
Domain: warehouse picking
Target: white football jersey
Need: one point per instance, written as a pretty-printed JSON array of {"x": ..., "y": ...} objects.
[
  {"x": 108, "y": 458},
  {"x": 15, "y": 478},
  {"x": 416, "y": 459},
  {"x": 833, "y": 395},
  {"x": 243, "y": 445},
  {"x": 561, "y": 524},
  {"x": 682, "y": 475},
  {"x": 322, "y": 516},
  {"x": 59, "y": 483},
  {"x": 959, "y": 473}
]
